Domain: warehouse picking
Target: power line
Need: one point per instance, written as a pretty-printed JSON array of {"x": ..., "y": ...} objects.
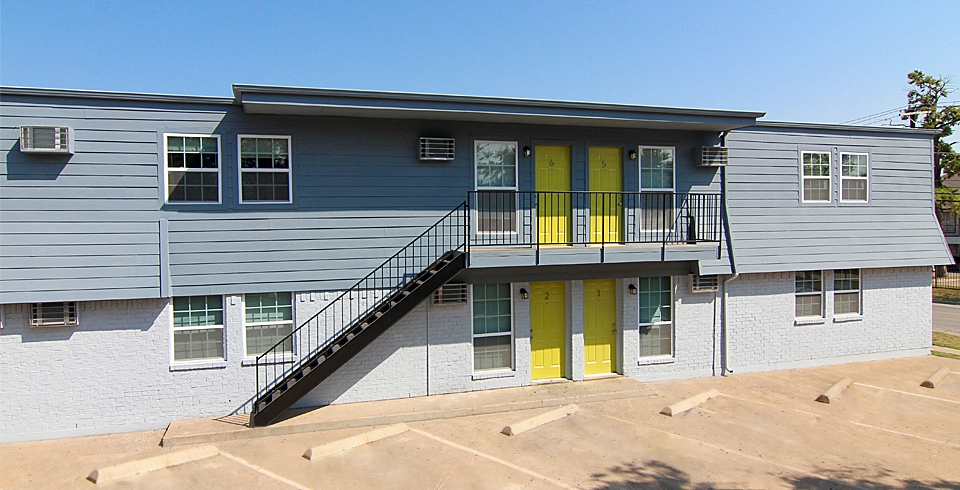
[{"x": 871, "y": 116}]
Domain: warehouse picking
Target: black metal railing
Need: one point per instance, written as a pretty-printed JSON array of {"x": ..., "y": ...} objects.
[
  {"x": 947, "y": 277},
  {"x": 315, "y": 334},
  {"x": 537, "y": 218}
]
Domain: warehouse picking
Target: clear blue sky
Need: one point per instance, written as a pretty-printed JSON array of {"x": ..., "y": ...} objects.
[{"x": 810, "y": 61}]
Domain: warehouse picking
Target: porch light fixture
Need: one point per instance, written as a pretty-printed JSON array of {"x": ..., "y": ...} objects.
[
  {"x": 632, "y": 154},
  {"x": 526, "y": 151},
  {"x": 632, "y": 289},
  {"x": 524, "y": 294}
]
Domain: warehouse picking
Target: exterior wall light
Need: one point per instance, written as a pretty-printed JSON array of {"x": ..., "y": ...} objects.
[
  {"x": 526, "y": 151},
  {"x": 632, "y": 154},
  {"x": 524, "y": 294},
  {"x": 632, "y": 289}
]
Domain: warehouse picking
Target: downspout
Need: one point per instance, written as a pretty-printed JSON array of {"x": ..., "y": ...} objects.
[{"x": 724, "y": 330}]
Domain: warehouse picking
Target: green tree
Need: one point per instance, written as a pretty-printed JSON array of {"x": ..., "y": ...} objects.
[{"x": 923, "y": 109}]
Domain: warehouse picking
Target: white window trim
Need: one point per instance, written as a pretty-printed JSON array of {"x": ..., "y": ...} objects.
[
  {"x": 515, "y": 187},
  {"x": 865, "y": 179},
  {"x": 673, "y": 150},
  {"x": 76, "y": 315},
  {"x": 293, "y": 326},
  {"x": 672, "y": 190},
  {"x": 859, "y": 291},
  {"x": 288, "y": 171},
  {"x": 673, "y": 331},
  {"x": 828, "y": 178},
  {"x": 823, "y": 301},
  {"x": 486, "y": 373},
  {"x": 207, "y": 361},
  {"x": 166, "y": 170}
]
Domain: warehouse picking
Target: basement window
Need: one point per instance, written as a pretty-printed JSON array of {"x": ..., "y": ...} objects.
[
  {"x": 492, "y": 327},
  {"x": 197, "y": 328},
  {"x": 809, "y": 294},
  {"x": 656, "y": 316},
  {"x": 267, "y": 320},
  {"x": 58, "y": 314},
  {"x": 846, "y": 292}
]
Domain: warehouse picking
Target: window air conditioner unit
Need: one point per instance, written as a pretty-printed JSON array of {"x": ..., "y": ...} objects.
[
  {"x": 60, "y": 314},
  {"x": 450, "y": 294},
  {"x": 46, "y": 139},
  {"x": 704, "y": 284},
  {"x": 712, "y": 156},
  {"x": 436, "y": 149}
]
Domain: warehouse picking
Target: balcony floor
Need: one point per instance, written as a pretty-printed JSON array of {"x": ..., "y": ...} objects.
[{"x": 553, "y": 255}]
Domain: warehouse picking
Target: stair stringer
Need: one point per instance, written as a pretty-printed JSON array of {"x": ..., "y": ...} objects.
[{"x": 310, "y": 374}]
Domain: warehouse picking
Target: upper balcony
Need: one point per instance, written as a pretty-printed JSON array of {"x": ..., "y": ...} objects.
[{"x": 529, "y": 228}]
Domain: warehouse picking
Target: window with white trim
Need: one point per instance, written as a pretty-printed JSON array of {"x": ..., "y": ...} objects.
[
  {"x": 656, "y": 187},
  {"x": 63, "y": 313},
  {"x": 197, "y": 328},
  {"x": 265, "y": 174},
  {"x": 656, "y": 168},
  {"x": 267, "y": 320},
  {"x": 492, "y": 327},
  {"x": 656, "y": 316},
  {"x": 809, "y": 294},
  {"x": 496, "y": 172},
  {"x": 192, "y": 168},
  {"x": 854, "y": 176},
  {"x": 816, "y": 176},
  {"x": 846, "y": 292}
]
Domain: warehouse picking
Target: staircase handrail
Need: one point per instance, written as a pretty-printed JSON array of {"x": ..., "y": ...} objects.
[{"x": 294, "y": 359}]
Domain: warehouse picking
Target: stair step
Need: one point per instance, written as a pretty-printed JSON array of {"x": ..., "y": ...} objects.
[{"x": 282, "y": 392}]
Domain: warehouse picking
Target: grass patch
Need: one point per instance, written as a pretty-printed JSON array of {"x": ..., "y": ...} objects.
[
  {"x": 946, "y": 295},
  {"x": 946, "y": 354},
  {"x": 941, "y": 339}
]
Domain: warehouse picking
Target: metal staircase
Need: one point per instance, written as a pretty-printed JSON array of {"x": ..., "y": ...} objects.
[{"x": 317, "y": 348}]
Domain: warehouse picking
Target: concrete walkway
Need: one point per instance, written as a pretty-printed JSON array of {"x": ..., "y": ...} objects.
[
  {"x": 946, "y": 318},
  {"x": 947, "y": 350},
  {"x": 368, "y": 414}
]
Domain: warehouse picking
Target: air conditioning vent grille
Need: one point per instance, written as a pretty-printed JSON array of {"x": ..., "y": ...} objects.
[
  {"x": 437, "y": 149},
  {"x": 54, "y": 314},
  {"x": 450, "y": 294},
  {"x": 713, "y": 156},
  {"x": 704, "y": 284},
  {"x": 46, "y": 139}
]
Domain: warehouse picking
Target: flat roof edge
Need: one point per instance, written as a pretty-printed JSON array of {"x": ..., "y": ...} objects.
[
  {"x": 239, "y": 89},
  {"x": 110, "y": 95},
  {"x": 844, "y": 127}
]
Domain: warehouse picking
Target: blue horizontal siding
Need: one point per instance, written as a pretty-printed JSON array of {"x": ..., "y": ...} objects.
[{"x": 773, "y": 231}]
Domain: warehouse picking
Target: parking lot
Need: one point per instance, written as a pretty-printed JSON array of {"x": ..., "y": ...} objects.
[{"x": 764, "y": 431}]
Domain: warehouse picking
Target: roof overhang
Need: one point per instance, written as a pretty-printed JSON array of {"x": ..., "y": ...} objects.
[{"x": 257, "y": 99}]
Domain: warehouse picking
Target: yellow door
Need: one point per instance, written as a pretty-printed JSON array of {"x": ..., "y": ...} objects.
[
  {"x": 599, "y": 326},
  {"x": 553, "y": 198},
  {"x": 606, "y": 175},
  {"x": 548, "y": 328}
]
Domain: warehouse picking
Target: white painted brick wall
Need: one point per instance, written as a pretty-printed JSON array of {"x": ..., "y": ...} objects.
[
  {"x": 113, "y": 372},
  {"x": 696, "y": 326},
  {"x": 897, "y": 321},
  {"x": 395, "y": 364},
  {"x": 109, "y": 374}
]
